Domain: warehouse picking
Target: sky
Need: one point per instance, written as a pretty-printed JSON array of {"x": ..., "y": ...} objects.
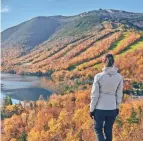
[{"x": 14, "y": 12}]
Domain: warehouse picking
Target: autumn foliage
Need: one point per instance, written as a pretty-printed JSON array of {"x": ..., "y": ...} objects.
[{"x": 66, "y": 118}]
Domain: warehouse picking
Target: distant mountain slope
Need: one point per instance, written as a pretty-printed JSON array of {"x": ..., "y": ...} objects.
[
  {"x": 72, "y": 47},
  {"x": 30, "y": 33},
  {"x": 39, "y": 29}
]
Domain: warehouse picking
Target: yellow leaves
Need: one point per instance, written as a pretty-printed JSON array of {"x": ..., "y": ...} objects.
[
  {"x": 126, "y": 97},
  {"x": 9, "y": 128},
  {"x": 128, "y": 131},
  {"x": 24, "y": 117},
  {"x": 54, "y": 103},
  {"x": 54, "y": 127},
  {"x": 71, "y": 136},
  {"x": 62, "y": 116},
  {"x": 34, "y": 135},
  {"x": 13, "y": 139},
  {"x": 70, "y": 121},
  {"x": 58, "y": 127},
  {"x": 125, "y": 109},
  {"x": 31, "y": 119},
  {"x": 129, "y": 66},
  {"x": 54, "y": 100},
  {"x": 10, "y": 108},
  {"x": 82, "y": 119}
]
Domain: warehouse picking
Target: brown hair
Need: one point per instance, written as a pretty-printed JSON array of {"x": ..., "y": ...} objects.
[{"x": 108, "y": 60}]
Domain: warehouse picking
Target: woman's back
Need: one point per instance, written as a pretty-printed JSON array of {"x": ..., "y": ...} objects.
[{"x": 108, "y": 81}]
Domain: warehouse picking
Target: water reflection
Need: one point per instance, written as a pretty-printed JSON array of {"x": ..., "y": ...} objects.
[{"x": 24, "y": 87}]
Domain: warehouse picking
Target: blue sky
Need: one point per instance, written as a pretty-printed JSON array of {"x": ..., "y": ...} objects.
[{"x": 14, "y": 12}]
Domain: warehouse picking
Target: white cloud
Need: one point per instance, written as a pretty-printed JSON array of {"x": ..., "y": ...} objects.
[{"x": 5, "y": 9}]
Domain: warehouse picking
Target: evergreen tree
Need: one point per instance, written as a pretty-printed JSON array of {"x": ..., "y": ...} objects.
[
  {"x": 8, "y": 100},
  {"x": 133, "y": 117},
  {"x": 23, "y": 137}
]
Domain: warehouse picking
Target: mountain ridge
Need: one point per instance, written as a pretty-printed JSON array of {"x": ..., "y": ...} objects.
[
  {"x": 73, "y": 15},
  {"x": 101, "y": 13}
]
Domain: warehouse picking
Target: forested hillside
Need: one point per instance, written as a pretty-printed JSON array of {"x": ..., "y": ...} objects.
[
  {"x": 69, "y": 49},
  {"x": 66, "y": 118}
]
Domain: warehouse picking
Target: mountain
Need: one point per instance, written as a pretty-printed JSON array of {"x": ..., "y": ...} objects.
[
  {"x": 30, "y": 33},
  {"x": 44, "y": 27},
  {"x": 71, "y": 47}
]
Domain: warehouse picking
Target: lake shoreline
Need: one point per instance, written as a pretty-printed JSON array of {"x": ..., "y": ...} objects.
[
  {"x": 24, "y": 87},
  {"x": 28, "y": 74}
]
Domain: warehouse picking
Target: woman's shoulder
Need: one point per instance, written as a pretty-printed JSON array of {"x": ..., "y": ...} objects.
[
  {"x": 101, "y": 74},
  {"x": 98, "y": 75},
  {"x": 121, "y": 76}
]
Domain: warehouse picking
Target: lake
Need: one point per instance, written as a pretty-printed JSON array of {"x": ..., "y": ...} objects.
[{"x": 21, "y": 87}]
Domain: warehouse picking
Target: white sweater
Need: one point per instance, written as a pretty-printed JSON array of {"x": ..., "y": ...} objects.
[{"x": 107, "y": 89}]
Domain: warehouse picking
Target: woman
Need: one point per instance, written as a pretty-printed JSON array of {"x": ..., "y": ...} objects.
[{"x": 106, "y": 95}]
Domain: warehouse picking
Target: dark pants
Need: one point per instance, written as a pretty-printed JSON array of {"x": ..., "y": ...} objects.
[{"x": 104, "y": 119}]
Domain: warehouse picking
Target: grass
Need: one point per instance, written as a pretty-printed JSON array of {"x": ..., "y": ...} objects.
[
  {"x": 119, "y": 41},
  {"x": 133, "y": 47},
  {"x": 97, "y": 65}
]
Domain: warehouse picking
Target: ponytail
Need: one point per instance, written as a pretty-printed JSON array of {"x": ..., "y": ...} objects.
[{"x": 108, "y": 60}]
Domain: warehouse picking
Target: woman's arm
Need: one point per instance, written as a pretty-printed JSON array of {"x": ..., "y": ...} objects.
[
  {"x": 119, "y": 93},
  {"x": 94, "y": 93}
]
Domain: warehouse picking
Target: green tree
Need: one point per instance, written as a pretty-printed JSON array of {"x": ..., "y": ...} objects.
[
  {"x": 23, "y": 137},
  {"x": 7, "y": 100},
  {"x": 133, "y": 117}
]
